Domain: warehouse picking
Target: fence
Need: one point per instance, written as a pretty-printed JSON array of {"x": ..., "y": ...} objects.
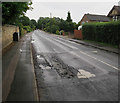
[{"x": 78, "y": 34}]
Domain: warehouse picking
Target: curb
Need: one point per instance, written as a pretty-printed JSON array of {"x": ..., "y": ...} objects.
[
  {"x": 35, "y": 82},
  {"x": 101, "y": 48}
]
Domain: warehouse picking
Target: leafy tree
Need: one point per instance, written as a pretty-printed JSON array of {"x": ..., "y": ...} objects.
[
  {"x": 56, "y": 24},
  {"x": 69, "y": 17},
  {"x": 33, "y": 24},
  {"x": 64, "y": 25},
  {"x": 11, "y": 11},
  {"x": 24, "y": 20},
  {"x": 54, "y": 28}
]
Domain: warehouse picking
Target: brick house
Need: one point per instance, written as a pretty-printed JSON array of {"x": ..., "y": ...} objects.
[
  {"x": 114, "y": 13},
  {"x": 94, "y": 18}
]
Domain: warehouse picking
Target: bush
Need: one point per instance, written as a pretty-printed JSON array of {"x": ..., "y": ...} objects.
[
  {"x": 27, "y": 28},
  {"x": 57, "y": 32},
  {"x": 106, "y": 32},
  {"x": 54, "y": 28}
]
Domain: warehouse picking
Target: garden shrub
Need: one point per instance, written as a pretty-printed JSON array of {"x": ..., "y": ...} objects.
[{"x": 106, "y": 32}]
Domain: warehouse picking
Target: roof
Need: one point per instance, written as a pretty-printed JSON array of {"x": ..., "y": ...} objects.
[
  {"x": 93, "y": 17},
  {"x": 117, "y": 8}
]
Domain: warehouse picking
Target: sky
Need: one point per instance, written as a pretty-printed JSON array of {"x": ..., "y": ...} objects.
[{"x": 76, "y": 8}]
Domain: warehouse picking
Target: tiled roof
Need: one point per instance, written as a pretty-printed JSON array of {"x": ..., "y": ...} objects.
[{"x": 93, "y": 17}]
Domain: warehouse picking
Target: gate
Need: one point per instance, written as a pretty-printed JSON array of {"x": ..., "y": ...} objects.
[{"x": 15, "y": 36}]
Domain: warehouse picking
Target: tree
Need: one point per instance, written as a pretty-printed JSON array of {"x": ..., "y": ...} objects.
[
  {"x": 64, "y": 25},
  {"x": 11, "y": 11},
  {"x": 33, "y": 24},
  {"x": 69, "y": 17},
  {"x": 24, "y": 20}
]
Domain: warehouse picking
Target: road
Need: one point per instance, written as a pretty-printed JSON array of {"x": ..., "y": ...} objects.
[{"x": 67, "y": 71}]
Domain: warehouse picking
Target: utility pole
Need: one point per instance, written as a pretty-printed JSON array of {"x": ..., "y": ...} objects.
[
  {"x": 50, "y": 21},
  {"x": 50, "y": 15}
]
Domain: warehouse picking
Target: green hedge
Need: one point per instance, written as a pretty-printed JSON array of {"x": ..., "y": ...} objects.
[{"x": 106, "y": 32}]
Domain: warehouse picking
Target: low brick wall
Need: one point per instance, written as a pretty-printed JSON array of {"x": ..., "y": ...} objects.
[
  {"x": 78, "y": 34},
  {"x": 7, "y": 34}
]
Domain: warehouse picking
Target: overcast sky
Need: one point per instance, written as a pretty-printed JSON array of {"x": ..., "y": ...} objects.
[{"x": 77, "y": 9}]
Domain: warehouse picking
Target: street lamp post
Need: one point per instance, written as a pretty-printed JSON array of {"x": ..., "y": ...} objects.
[{"x": 50, "y": 21}]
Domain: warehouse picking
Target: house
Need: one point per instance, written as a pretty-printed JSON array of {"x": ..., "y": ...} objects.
[
  {"x": 114, "y": 13},
  {"x": 94, "y": 18}
]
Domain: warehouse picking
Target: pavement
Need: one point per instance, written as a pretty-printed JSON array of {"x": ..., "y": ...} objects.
[
  {"x": 18, "y": 77},
  {"x": 19, "y": 81}
]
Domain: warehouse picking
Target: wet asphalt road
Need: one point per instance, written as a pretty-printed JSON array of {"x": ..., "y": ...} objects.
[{"x": 67, "y": 71}]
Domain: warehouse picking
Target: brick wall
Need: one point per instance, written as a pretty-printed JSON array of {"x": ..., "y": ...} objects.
[
  {"x": 78, "y": 34},
  {"x": 7, "y": 34}
]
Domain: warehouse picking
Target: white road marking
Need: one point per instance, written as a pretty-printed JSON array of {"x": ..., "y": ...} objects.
[
  {"x": 66, "y": 44},
  {"x": 95, "y": 52},
  {"x": 99, "y": 60}
]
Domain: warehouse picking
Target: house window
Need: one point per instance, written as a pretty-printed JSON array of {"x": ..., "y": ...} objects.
[
  {"x": 113, "y": 18},
  {"x": 83, "y": 22},
  {"x": 116, "y": 18}
]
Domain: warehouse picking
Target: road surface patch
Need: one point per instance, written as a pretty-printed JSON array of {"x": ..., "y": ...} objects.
[{"x": 84, "y": 74}]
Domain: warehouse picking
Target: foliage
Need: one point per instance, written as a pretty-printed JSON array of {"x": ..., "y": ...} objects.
[
  {"x": 33, "y": 24},
  {"x": 102, "y": 32},
  {"x": 27, "y": 28},
  {"x": 69, "y": 17},
  {"x": 24, "y": 20},
  {"x": 57, "y": 32},
  {"x": 53, "y": 24},
  {"x": 11, "y": 11}
]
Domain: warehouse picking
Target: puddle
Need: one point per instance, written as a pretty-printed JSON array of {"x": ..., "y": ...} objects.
[
  {"x": 32, "y": 41},
  {"x": 40, "y": 60},
  {"x": 21, "y": 50},
  {"x": 38, "y": 56},
  {"x": 44, "y": 67},
  {"x": 84, "y": 74}
]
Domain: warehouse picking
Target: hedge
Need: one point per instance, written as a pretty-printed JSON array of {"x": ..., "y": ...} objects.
[{"x": 106, "y": 32}]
